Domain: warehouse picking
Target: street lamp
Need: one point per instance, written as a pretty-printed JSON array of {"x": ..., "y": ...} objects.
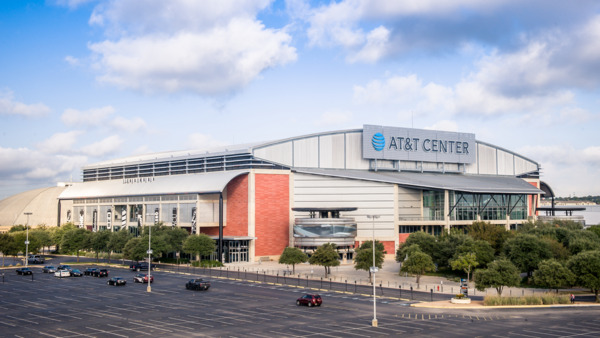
[
  {"x": 149, "y": 289},
  {"x": 373, "y": 271},
  {"x": 27, "y": 240}
]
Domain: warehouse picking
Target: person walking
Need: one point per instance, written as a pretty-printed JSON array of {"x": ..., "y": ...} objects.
[{"x": 572, "y": 299}]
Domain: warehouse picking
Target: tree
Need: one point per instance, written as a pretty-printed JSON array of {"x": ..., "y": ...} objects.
[
  {"x": 494, "y": 234},
  {"x": 586, "y": 267},
  {"x": 426, "y": 242},
  {"x": 292, "y": 256},
  {"x": 483, "y": 251},
  {"x": 552, "y": 274},
  {"x": 98, "y": 241},
  {"x": 7, "y": 245},
  {"x": 135, "y": 249},
  {"x": 326, "y": 255},
  {"x": 527, "y": 251},
  {"x": 465, "y": 262},
  {"x": 500, "y": 273},
  {"x": 117, "y": 242},
  {"x": 58, "y": 233},
  {"x": 559, "y": 251},
  {"x": 43, "y": 236},
  {"x": 200, "y": 245},
  {"x": 448, "y": 247},
  {"x": 363, "y": 259},
  {"x": 581, "y": 244},
  {"x": 75, "y": 240},
  {"x": 174, "y": 237},
  {"x": 417, "y": 262}
]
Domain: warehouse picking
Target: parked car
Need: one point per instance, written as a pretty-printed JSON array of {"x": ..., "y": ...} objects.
[
  {"x": 49, "y": 269},
  {"x": 76, "y": 273},
  {"x": 63, "y": 267},
  {"x": 62, "y": 273},
  {"x": 142, "y": 278},
  {"x": 116, "y": 281},
  {"x": 90, "y": 271},
  {"x": 141, "y": 266},
  {"x": 197, "y": 284},
  {"x": 100, "y": 273},
  {"x": 309, "y": 300},
  {"x": 35, "y": 259},
  {"x": 24, "y": 271}
]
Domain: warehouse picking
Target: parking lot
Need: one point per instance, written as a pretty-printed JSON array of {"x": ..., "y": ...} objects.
[{"x": 87, "y": 306}]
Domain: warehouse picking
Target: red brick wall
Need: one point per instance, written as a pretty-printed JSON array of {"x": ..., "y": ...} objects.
[
  {"x": 530, "y": 201},
  {"x": 389, "y": 247},
  {"x": 402, "y": 238},
  {"x": 237, "y": 210},
  {"x": 272, "y": 213}
]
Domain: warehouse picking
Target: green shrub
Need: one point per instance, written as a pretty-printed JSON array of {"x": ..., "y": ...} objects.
[
  {"x": 542, "y": 299},
  {"x": 208, "y": 264}
]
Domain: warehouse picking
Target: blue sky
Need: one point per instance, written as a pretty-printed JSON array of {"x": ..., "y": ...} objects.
[{"x": 82, "y": 81}]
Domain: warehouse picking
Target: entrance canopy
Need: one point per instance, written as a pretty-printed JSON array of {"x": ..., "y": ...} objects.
[
  {"x": 204, "y": 183},
  {"x": 481, "y": 184}
]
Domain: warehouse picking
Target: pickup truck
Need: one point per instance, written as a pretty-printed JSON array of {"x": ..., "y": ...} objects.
[
  {"x": 141, "y": 266},
  {"x": 197, "y": 284},
  {"x": 35, "y": 259}
]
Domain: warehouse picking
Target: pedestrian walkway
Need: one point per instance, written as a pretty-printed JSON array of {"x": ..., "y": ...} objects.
[{"x": 388, "y": 276}]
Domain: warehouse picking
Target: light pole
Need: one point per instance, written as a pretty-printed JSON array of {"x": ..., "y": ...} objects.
[
  {"x": 27, "y": 240},
  {"x": 373, "y": 271},
  {"x": 149, "y": 289}
]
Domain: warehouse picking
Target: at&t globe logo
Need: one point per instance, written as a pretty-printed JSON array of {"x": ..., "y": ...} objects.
[{"x": 378, "y": 141}]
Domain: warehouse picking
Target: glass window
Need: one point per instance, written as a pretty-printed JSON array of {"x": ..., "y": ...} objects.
[{"x": 433, "y": 205}]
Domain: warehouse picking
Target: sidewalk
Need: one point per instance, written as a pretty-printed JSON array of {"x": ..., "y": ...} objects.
[{"x": 388, "y": 276}]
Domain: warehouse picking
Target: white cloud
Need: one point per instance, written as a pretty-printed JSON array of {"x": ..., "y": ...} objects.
[
  {"x": 375, "y": 47},
  {"x": 129, "y": 125},
  {"x": 72, "y": 4},
  {"x": 23, "y": 163},
  {"x": 60, "y": 143},
  {"x": 8, "y": 106},
  {"x": 199, "y": 141},
  {"x": 334, "y": 118},
  {"x": 107, "y": 146},
  {"x": 211, "y": 48},
  {"x": 446, "y": 125},
  {"x": 73, "y": 61},
  {"x": 87, "y": 118}
]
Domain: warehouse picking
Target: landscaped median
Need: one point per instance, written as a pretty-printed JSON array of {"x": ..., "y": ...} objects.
[{"x": 541, "y": 300}]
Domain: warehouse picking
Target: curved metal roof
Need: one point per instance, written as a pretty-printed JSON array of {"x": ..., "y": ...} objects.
[
  {"x": 212, "y": 182},
  {"x": 454, "y": 182}
]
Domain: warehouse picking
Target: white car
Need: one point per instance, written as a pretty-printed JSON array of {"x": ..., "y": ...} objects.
[{"x": 62, "y": 273}]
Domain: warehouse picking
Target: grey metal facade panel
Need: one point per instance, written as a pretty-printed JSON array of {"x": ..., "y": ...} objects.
[
  {"x": 453, "y": 182},
  {"x": 193, "y": 183}
]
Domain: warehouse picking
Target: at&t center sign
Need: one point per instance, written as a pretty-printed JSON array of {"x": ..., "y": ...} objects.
[{"x": 393, "y": 143}]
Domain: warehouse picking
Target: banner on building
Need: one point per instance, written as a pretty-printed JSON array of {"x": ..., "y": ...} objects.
[
  {"x": 108, "y": 219},
  {"x": 193, "y": 220},
  {"x": 174, "y": 224},
  {"x": 95, "y": 220}
]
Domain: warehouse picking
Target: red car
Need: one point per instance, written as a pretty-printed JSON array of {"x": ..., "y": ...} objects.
[
  {"x": 142, "y": 278},
  {"x": 309, "y": 300}
]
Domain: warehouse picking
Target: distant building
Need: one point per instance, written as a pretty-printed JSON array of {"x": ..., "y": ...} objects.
[{"x": 301, "y": 191}]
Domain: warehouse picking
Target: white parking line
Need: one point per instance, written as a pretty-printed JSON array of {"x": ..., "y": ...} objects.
[
  {"x": 8, "y": 324},
  {"x": 56, "y": 320},
  {"x": 137, "y": 330},
  {"x": 27, "y": 321},
  {"x": 104, "y": 331},
  {"x": 62, "y": 314}
]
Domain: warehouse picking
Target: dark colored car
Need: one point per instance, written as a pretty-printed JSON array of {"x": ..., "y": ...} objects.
[
  {"x": 49, "y": 269},
  {"x": 309, "y": 300},
  {"x": 100, "y": 273},
  {"x": 141, "y": 266},
  {"x": 63, "y": 267},
  {"x": 90, "y": 271},
  {"x": 76, "y": 273},
  {"x": 197, "y": 284},
  {"x": 24, "y": 271},
  {"x": 142, "y": 278},
  {"x": 116, "y": 281}
]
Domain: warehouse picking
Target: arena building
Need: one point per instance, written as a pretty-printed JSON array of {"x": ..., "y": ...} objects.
[{"x": 344, "y": 187}]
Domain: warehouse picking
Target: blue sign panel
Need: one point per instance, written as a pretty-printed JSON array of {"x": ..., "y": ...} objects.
[{"x": 393, "y": 143}]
